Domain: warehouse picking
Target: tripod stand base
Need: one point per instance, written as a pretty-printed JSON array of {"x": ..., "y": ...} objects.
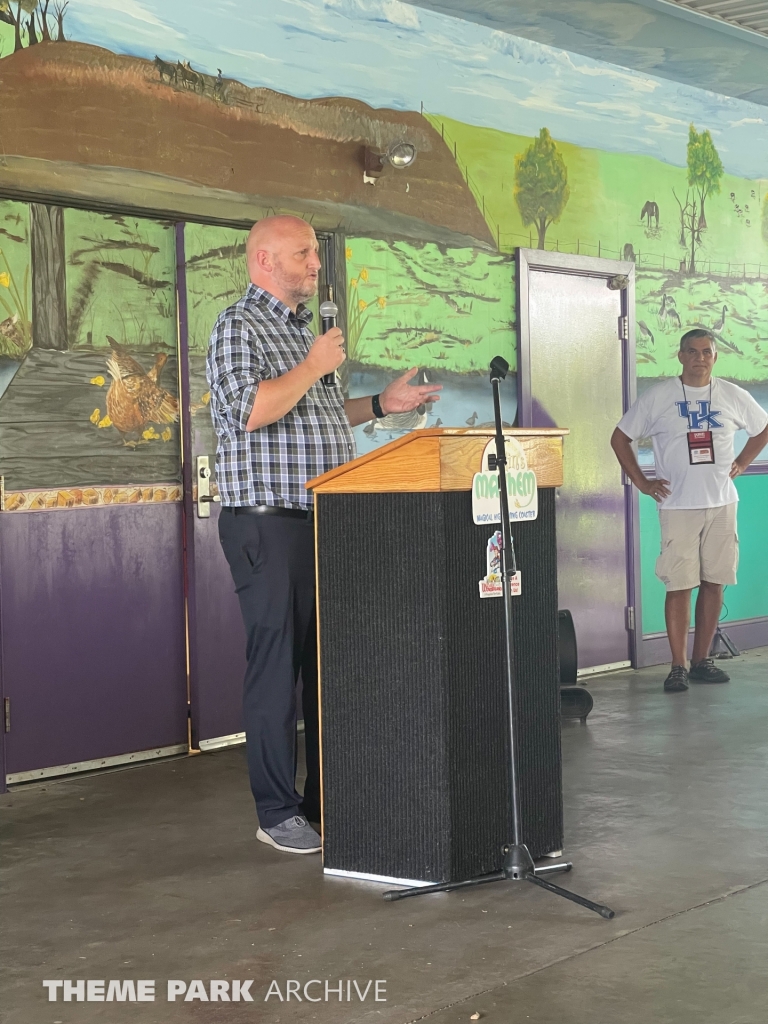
[
  {"x": 518, "y": 867},
  {"x": 723, "y": 646}
]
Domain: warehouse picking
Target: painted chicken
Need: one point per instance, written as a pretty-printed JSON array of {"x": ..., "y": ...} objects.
[{"x": 135, "y": 397}]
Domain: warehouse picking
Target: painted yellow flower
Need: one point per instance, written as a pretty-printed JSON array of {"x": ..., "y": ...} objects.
[
  {"x": 206, "y": 398},
  {"x": 364, "y": 274},
  {"x": 362, "y": 304},
  {"x": 166, "y": 434},
  {"x": 348, "y": 253},
  {"x": 381, "y": 301},
  {"x": 98, "y": 381},
  {"x": 150, "y": 434},
  {"x": 106, "y": 422},
  {"x": 353, "y": 283},
  {"x": 5, "y": 280},
  {"x": 95, "y": 416}
]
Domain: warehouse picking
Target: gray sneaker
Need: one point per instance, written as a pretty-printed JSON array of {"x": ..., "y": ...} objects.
[{"x": 295, "y": 835}]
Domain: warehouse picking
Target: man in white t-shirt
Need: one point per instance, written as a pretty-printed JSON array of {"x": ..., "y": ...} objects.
[{"x": 692, "y": 420}]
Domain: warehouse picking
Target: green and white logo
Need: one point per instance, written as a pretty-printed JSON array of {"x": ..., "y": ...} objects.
[{"x": 521, "y": 486}]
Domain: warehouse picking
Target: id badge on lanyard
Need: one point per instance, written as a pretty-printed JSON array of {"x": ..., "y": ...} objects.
[
  {"x": 701, "y": 450},
  {"x": 701, "y": 447}
]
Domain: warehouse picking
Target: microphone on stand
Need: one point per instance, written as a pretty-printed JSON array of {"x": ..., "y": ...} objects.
[{"x": 328, "y": 313}]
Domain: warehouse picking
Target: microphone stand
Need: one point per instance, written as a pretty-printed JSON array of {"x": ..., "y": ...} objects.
[{"x": 518, "y": 864}]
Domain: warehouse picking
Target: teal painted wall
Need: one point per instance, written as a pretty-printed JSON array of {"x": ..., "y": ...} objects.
[{"x": 749, "y": 598}]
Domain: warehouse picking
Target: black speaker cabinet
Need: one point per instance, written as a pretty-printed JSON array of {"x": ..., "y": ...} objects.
[{"x": 413, "y": 690}]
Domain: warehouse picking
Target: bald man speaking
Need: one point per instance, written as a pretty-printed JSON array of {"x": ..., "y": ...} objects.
[{"x": 278, "y": 425}]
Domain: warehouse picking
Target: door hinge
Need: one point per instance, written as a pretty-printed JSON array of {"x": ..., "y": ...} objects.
[
  {"x": 630, "y": 618},
  {"x": 624, "y": 328},
  {"x": 7, "y": 714}
]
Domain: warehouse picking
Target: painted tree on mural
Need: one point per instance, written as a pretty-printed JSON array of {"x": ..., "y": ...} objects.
[
  {"x": 704, "y": 173},
  {"x": 49, "y": 287},
  {"x": 705, "y": 168},
  {"x": 37, "y": 27},
  {"x": 541, "y": 185}
]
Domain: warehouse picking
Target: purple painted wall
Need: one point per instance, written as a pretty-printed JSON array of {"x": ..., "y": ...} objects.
[{"x": 93, "y": 633}]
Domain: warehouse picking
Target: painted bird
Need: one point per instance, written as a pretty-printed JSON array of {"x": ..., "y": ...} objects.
[
  {"x": 472, "y": 420},
  {"x": 645, "y": 331},
  {"x": 720, "y": 324},
  {"x": 416, "y": 419},
  {"x": 135, "y": 398},
  {"x": 674, "y": 318}
]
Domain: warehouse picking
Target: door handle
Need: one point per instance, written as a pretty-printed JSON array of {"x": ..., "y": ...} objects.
[{"x": 204, "y": 496}]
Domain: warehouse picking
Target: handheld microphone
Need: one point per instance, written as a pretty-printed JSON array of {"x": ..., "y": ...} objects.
[{"x": 328, "y": 313}]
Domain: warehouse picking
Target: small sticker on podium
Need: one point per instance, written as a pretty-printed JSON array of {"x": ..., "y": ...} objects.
[{"x": 490, "y": 586}]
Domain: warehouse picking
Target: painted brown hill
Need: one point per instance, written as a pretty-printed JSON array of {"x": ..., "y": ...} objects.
[{"x": 86, "y": 105}]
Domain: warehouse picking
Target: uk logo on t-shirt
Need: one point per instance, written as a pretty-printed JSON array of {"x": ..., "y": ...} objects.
[{"x": 704, "y": 419}]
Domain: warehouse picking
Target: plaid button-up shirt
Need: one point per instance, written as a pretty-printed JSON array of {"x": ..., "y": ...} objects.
[{"x": 256, "y": 339}]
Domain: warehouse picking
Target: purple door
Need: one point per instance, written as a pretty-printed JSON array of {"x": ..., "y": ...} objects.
[
  {"x": 213, "y": 274},
  {"x": 91, "y": 527},
  {"x": 93, "y": 637}
]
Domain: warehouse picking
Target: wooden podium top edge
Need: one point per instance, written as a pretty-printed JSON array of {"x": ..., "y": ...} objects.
[{"x": 488, "y": 432}]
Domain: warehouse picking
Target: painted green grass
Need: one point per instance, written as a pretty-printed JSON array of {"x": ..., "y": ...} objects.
[
  {"x": 742, "y": 340},
  {"x": 15, "y": 283},
  {"x": 608, "y": 191},
  {"x": 120, "y": 281},
  {"x": 216, "y": 276},
  {"x": 423, "y": 305}
]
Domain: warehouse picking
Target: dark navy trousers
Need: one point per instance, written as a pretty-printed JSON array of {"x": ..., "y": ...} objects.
[{"x": 272, "y": 560}]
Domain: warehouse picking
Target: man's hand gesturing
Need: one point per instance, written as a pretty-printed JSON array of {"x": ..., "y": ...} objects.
[
  {"x": 400, "y": 396},
  {"x": 327, "y": 352}
]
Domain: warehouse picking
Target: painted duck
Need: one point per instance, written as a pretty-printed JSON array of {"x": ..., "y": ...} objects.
[
  {"x": 720, "y": 324},
  {"x": 645, "y": 331},
  {"x": 135, "y": 398}
]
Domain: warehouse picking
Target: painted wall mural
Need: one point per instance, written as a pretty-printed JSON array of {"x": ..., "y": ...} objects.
[
  {"x": 519, "y": 144},
  {"x": 448, "y": 312},
  {"x": 88, "y": 374}
]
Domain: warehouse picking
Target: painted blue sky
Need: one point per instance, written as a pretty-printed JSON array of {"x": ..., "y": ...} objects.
[{"x": 390, "y": 54}]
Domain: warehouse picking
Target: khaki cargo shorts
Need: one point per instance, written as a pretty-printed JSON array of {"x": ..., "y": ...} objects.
[{"x": 698, "y": 544}]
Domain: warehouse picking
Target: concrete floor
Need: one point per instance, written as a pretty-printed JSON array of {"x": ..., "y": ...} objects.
[{"x": 156, "y": 873}]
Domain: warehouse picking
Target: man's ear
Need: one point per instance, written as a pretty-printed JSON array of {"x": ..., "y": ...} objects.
[
  {"x": 264, "y": 260},
  {"x": 715, "y": 359},
  {"x": 679, "y": 356}
]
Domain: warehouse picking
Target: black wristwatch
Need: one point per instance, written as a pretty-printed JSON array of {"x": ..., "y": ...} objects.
[{"x": 378, "y": 412}]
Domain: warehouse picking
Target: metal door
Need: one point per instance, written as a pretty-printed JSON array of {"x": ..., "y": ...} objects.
[{"x": 577, "y": 371}]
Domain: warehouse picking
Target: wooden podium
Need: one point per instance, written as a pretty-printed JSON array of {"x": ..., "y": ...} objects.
[{"x": 412, "y": 681}]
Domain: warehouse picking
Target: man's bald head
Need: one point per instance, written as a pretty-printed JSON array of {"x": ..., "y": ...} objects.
[{"x": 282, "y": 258}]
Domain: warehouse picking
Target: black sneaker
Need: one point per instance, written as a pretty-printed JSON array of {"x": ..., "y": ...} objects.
[
  {"x": 707, "y": 672},
  {"x": 677, "y": 680}
]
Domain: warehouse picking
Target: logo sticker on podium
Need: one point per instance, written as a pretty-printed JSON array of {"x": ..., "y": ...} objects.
[
  {"x": 490, "y": 586},
  {"x": 521, "y": 486}
]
